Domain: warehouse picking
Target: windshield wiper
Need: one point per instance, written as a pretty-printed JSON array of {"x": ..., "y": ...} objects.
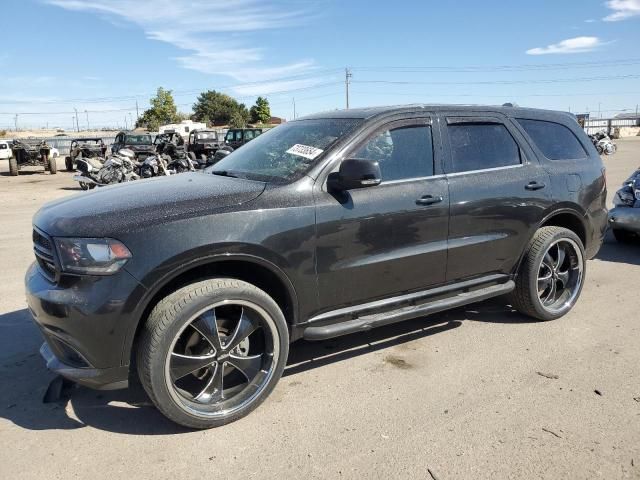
[{"x": 224, "y": 173}]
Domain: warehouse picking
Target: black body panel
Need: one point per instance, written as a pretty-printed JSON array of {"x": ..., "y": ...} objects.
[{"x": 324, "y": 251}]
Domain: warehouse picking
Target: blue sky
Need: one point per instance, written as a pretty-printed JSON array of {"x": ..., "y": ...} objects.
[{"x": 100, "y": 56}]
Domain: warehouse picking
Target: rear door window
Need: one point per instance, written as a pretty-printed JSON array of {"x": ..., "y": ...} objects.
[
  {"x": 555, "y": 141},
  {"x": 480, "y": 146}
]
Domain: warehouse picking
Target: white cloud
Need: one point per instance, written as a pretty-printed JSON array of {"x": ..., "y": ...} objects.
[
  {"x": 219, "y": 35},
  {"x": 570, "y": 45},
  {"x": 590, "y": 20},
  {"x": 622, "y": 9}
]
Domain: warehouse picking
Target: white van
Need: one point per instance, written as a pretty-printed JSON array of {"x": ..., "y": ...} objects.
[{"x": 5, "y": 150}]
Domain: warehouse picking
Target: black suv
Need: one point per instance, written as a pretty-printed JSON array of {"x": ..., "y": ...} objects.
[
  {"x": 237, "y": 137},
  {"x": 140, "y": 143},
  {"x": 325, "y": 226}
]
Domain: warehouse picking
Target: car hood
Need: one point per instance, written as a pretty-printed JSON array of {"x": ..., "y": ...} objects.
[{"x": 109, "y": 211}]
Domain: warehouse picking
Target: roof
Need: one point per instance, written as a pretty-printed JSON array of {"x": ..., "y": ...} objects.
[{"x": 370, "y": 112}]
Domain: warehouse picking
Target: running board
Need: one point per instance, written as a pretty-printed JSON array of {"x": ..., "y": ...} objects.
[{"x": 367, "y": 322}]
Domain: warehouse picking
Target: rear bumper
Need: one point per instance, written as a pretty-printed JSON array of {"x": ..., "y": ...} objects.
[{"x": 625, "y": 218}]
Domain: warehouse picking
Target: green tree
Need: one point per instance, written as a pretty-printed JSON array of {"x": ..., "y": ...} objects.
[
  {"x": 261, "y": 112},
  {"x": 237, "y": 120},
  {"x": 163, "y": 110},
  {"x": 219, "y": 108}
]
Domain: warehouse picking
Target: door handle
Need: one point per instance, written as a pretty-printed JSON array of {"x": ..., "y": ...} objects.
[
  {"x": 428, "y": 200},
  {"x": 534, "y": 186}
]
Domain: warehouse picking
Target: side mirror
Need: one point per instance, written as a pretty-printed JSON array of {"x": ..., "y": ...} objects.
[{"x": 355, "y": 173}]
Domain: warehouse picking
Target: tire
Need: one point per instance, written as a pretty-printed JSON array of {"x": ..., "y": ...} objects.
[
  {"x": 622, "y": 236},
  {"x": 53, "y": 166},
  {"x": 599, "y": 149},
  {"x": 192, "y": 156},
  {"x": 83, "y": 185},
  {"x": 13, "y": 166},
  {"x": 68, "y": 163},
  {"x": 203, "y": 158},
  {"x": 534, "y": 273},
  {"x": 168, "y": 333}
]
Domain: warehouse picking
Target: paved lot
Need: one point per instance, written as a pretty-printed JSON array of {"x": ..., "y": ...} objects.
[{"x": 457, "y": 393}]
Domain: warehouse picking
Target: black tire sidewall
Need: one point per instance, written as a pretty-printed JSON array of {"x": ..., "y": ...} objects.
[{"x": 156, "y": 374}]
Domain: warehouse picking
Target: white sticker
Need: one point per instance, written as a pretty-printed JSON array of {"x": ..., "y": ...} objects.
[{"x": 305, "y": 151}]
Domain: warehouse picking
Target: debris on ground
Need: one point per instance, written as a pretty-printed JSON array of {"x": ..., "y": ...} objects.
[
  {"x": 597, "y": 392},
  {"x": 551, "y": 432},
  {"x": 433, "y": 475},
  {"x": 552, "y": 376}
]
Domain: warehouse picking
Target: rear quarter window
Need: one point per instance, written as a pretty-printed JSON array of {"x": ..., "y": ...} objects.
[{"x": 555, "y": 141}]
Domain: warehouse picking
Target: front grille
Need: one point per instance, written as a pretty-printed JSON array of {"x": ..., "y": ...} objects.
[{"x": 45, "y": 255}]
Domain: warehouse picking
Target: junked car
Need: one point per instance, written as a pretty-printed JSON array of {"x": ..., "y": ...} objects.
[
  {"x": 31, "y": 153},
  {"x": 624, "y": 218},
  {"x": 141, "y": 144}
]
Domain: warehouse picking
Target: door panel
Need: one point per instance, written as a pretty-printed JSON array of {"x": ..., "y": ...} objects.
[
  {"x": 381, "y": 241},
  {"x": 494, "y": 211}
]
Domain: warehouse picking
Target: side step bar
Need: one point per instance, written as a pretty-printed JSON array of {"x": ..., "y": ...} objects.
[{"x": 367, "y": 322}]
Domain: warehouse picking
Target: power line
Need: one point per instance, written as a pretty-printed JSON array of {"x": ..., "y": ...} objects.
[{"x": 503, "y": 82}]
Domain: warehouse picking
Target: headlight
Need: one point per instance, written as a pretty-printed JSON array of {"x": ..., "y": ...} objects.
[{"x": 91, "y": 256}]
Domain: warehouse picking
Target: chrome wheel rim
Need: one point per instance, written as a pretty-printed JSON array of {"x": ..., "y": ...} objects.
[
  {"x": 222, "y": 358},
  {"x": 560, "y": 275}
]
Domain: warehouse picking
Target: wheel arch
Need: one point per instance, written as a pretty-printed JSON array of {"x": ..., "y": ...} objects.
[
  {"x": 253, "y": 269},
  {"x": 566, "y": 217}
]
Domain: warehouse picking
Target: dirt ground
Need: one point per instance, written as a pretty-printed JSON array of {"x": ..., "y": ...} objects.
[{"x": 478, "y": 392}]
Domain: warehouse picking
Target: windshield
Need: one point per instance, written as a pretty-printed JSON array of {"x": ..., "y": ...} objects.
[
  {"x": 287, "y": 152},
  {"x": 206, "y": 136},
  {"x": 138, "y": 140}
]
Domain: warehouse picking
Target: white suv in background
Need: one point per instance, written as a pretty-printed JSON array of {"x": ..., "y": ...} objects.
[{"x": 5, "y": 150}]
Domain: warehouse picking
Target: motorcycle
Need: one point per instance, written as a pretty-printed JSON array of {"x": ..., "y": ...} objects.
[
  {"x": 603, "y": 143},
  {"x": 117, "y": 168},
  {"x": 154, "y": 166},
  {"x": 219, "y": 155},
  {"x": 170, "y": 146}
]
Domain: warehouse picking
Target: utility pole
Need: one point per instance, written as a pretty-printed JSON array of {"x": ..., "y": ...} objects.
[
  {"x": 347, "y": 81},
  {"x": 87, "y": 114},
  {"x": 126, "y": 127},
  {"x": 599, "y": 114},
  {"x": 77, "y": 124},
  {"x": 137, "y": 112},
  {"x": 15, "y": 121},
  {"x": 294, "y": 108}
]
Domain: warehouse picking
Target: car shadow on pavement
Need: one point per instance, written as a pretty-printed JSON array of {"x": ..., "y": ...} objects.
[
  {"x": 24, "y": 378},
  {"x": 613, "y": 251}
]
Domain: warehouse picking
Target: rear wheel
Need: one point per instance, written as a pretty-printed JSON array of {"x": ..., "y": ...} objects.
[
  {"x": 551, "y": 275},
  {"x": 212, "y": 351},
  {"x": 68, "y": 163},
  {"x": 13, "y": 166},
  {"x": 83, "y": 185}
]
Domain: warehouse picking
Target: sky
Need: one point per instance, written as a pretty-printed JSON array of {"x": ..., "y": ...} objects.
[{"x": 100, "y": 57}]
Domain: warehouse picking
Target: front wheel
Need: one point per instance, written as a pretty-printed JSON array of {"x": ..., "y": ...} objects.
[
  {"x": 68, "y": 163},
  {"x": 551, "y": 275},
  {"x": 212, "y": 351},
  {"x": 53, "y": 166}
]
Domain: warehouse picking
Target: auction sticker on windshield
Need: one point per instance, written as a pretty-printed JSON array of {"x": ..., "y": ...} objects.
[{"x": 305, "y": 151}]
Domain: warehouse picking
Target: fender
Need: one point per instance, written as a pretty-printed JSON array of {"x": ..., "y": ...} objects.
[
  {"x": 164, "y": 280},
  {"x": 567, "y": 209}
]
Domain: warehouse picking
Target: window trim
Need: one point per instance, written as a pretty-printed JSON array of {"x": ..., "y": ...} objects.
[{"x": 452, "y": 120}]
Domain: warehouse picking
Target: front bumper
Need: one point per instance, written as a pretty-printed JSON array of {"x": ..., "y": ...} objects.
[
  {"x": 85, "y": 322},
  {"x": 97, "y": 378},
  {"x": 625, "y": 218}
]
